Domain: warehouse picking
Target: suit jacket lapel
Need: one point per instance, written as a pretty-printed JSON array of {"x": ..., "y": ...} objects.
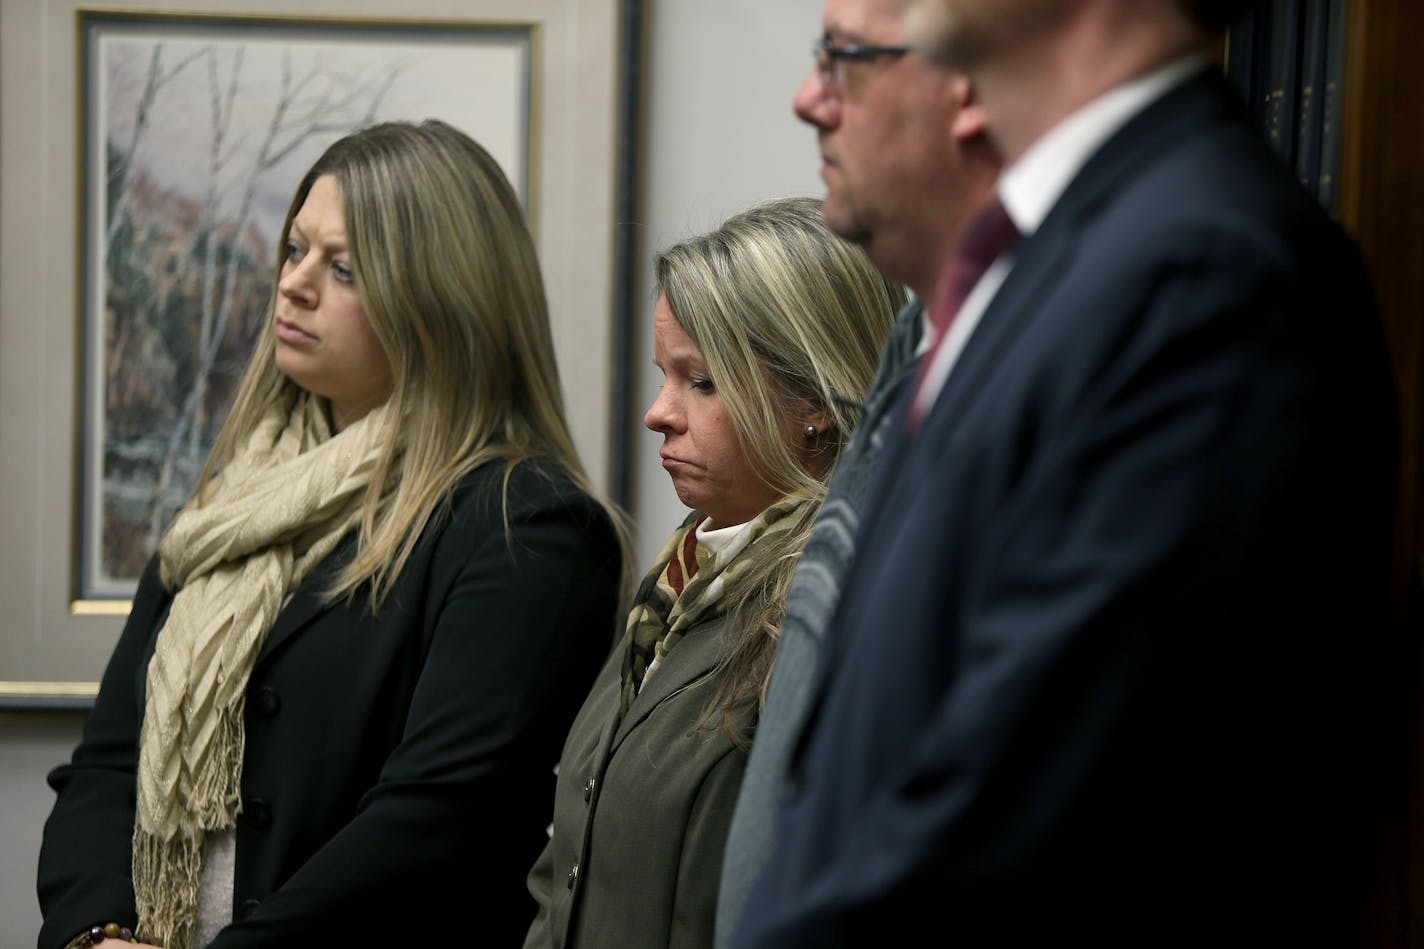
[
  {"x": 1037, "y": 263},
  {"x": 1043, "y": 256},
  {"x": 691, "y": 659}
]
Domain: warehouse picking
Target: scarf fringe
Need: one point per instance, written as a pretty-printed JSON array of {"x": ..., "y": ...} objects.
[
  {"x": 165, "y": 907},
  {"x": 216, "y": 785}
]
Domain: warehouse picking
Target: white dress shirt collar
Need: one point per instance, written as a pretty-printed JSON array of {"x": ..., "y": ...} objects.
[
  {"x": 717, "y": 539},
  {"x": 1031, "y": 186}
]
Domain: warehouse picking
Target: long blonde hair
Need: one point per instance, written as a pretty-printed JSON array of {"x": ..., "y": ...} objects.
[
  {"x": 449, "y": 281},
  {"x": 788, "y": 317}
]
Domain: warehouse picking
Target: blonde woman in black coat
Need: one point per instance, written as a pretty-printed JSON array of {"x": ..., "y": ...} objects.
[{"x": 335, "y": 706}]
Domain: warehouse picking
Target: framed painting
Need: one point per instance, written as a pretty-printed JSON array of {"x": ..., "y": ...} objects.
[
  {"x": 193, "y": 133},
  {"x": 141, "y": 240}
]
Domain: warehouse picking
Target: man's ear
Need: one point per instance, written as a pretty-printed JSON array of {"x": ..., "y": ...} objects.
[{"x": 970, "y": 121}]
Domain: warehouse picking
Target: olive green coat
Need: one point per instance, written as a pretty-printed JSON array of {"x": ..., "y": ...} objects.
[{"x": 641, "y": 812}]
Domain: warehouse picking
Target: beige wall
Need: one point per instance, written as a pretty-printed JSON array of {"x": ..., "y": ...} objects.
[
  {"x": 29, "y": 746},
  {"x": 720, "y": 136}
]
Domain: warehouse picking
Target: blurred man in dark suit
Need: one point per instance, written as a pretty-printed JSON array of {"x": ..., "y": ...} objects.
[{"x": 1104, "y": 671}]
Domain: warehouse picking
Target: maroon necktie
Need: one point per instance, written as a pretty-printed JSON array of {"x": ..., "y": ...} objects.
[{"x": 989, "y": 236}]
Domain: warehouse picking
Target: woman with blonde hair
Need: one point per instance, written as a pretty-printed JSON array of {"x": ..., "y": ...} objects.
[
  {"x": 344, "y": 682},
  {"x": 767, "y": 332}
]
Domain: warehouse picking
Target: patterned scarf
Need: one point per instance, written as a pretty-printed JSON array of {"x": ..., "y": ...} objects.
[
  {"x": 686, "y": 586},
  {"x": 280, "y": 506}
]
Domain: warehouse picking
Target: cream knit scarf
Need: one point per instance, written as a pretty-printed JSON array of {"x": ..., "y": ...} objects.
[{"x": 281, "y": 504}]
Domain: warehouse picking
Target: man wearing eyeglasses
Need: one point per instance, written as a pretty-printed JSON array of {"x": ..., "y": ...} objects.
[
  {"x": 1107, "y": 669},
  {"x": 905, "y": 165}
]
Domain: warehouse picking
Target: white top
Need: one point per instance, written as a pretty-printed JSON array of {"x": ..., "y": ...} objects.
[
  {"x": 215, "y": 886},
  {"x": 1030, "y": 188},
  {"x": 717, "y": 540}
]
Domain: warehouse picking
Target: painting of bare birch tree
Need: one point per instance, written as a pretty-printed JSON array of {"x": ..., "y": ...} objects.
[{"x": 196, "y": 132}]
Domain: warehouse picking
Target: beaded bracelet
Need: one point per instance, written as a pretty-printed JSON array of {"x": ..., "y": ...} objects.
[{"x": 98, "y": 934}]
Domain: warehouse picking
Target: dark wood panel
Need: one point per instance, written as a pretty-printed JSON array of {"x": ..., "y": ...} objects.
[{"x": 1381, "y": 202}]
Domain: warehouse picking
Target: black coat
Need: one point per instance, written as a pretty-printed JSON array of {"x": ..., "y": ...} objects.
[{"x": 397, "y": 773}]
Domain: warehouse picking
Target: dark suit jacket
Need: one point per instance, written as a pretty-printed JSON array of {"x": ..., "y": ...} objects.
[
  {"x": 641, "y": 811},
  {"x": 397, "y": 776},
  {"x": 1102, "y": 671}
]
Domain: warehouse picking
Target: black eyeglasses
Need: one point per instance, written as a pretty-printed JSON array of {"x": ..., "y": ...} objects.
[{"x": 830, "y": 57}]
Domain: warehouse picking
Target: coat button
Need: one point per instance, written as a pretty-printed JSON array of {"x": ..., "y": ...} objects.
[
  {"x": 256, "y": 813},
  {"x": 588, "y": 789},
  {"x": 246, "y": 909},
  {"x": 573, "y": 876},
  {"x": 267, "y": 702}
]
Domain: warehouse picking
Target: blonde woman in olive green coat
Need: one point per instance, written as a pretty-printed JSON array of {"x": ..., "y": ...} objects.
[{"x": 767, "y": 332}]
